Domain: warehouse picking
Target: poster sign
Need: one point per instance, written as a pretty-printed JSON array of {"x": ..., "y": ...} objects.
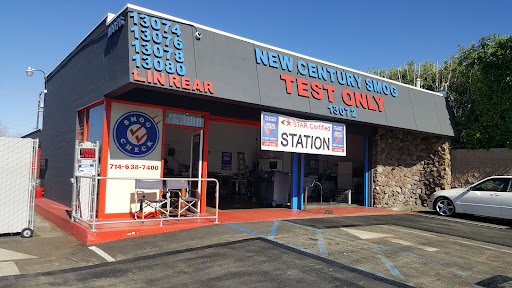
[
  {"x": 227, "y": 159},
  {"x": 289, "y": 134},
  {"x": 135, "y": 151},
  {"x": 86, "y": 170}
]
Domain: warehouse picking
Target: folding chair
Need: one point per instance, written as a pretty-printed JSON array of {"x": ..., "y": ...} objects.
[
  {"x": 175, "y": 188},
  {"x": 147, "y": 206},
  {"x": 187, "y": 203}
]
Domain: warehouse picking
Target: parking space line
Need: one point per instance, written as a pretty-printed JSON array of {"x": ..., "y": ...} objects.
[
  {"x": 369, "y": 243},
  {"x": 410, "y": 231},
  {"x": 102, "y": 253},
  {"x": 449, "y": 239},
  {"x": 321, "y": 244},
  {"x": 313, "y": 253},
  {"x": 403, "y": 242},
  {"x": 273, "y": 230},
  {"x": 479, "y": 245},
  {"x": 390, "y": 266},
  {"x": 464, "y": 221},
  {"x": 8, "y": 268}
]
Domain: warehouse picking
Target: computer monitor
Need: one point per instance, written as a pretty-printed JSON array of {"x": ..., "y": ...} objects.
[{"x": 272, "y": 165}]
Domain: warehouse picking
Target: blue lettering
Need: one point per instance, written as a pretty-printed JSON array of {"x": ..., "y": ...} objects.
[
  {"x": 377, "y": 86},
  {"x": 385, "y": 88},
  {"x": 322, "y": 73},
  {"x": 272, "y": 62},
  {"x": 312, "y": 70},
  {"x": 341, "y": 80},
  {"x": 261, "y": 56},
  {"x": 301, "y": 64},
  {"x": 393, "y": 91},
  {"x": 286, "y": 63},
  {"x": 332, "y": 72},
  {"x": 369, "y": 85},
  {"x": 350, "y": 80},
  {"x": 358, "y": 79}
]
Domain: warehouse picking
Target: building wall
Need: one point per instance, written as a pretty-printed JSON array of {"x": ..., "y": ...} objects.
[
  {"x": 84, "y": 77},
  {"x": 470, "y": 166},
  {"x": 408, "y": 167}
]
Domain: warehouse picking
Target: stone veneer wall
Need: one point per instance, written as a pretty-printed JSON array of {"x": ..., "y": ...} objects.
[{"x": 408, "y": 167}]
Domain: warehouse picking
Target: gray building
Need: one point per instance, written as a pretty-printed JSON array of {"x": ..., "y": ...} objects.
[{"x": 167, "y": 97}]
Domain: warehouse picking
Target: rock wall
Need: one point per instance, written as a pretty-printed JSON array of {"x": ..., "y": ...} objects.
[
  {"x": 470, "y": 166},
  {"x": 408, "y": 167}
]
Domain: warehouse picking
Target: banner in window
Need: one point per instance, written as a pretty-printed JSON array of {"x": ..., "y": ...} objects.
[{"x": 289, "y": 134}]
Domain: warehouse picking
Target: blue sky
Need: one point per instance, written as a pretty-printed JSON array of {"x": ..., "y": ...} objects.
[{"x": 354, "y": 34}]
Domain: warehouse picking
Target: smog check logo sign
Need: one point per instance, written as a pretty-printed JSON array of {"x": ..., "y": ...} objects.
[{"x": 136, "y": 134}]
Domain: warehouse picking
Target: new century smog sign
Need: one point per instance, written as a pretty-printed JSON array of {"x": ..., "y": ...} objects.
[{"x": 288, "y": 134}]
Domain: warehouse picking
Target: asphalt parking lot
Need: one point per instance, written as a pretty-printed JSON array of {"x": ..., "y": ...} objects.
[{"x": 420, "y": 250}]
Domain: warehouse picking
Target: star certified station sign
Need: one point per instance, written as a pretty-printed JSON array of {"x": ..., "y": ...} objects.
[{"x": 288, "y": 134}]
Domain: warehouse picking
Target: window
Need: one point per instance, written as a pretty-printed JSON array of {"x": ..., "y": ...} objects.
[
  {"x": 96, "y": 124},
  {"x": 90, "y": 124},
  {"x": 493, "y": 185},
  {"x": 184, "y": 119}
]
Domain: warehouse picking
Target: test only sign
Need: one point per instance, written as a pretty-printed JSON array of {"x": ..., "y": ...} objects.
[{"x": 288, "y": 134}]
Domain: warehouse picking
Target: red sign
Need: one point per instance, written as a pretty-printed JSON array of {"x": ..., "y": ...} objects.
[{"x": 87, "y": 153}]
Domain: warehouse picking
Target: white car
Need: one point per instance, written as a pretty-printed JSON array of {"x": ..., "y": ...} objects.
[{"x": 489, "y": 197}]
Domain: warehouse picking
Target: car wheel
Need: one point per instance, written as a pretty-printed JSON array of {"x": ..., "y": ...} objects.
[{"x": 445, "y": 207}]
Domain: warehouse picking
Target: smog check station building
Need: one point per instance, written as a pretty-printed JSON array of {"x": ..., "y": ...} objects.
[{"x": 167, "y": 98}]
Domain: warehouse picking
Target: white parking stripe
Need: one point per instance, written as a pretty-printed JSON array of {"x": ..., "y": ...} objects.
[
  {"x": 410, "y": 231},
  {"x": 364, "y": 234},
  {"x": 403, "y": 242},
  {"x": 102, "y": 253},
  {"x": 464, "y": 221},
  {"x": 482, "y": 246},
  {"x": 8, "y": 268},
  {"x": 447, "y": 238}
]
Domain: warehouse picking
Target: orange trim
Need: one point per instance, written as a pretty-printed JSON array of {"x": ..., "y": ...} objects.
[
  {"x": 235, "y": 121},
  {"x": 86, "y": 126},
  {"x": 92, "y": 105},
  {"x": 204, "y": 172},
  {"x": 104, "y": 160},
  {"x": 121, "y": 216}
]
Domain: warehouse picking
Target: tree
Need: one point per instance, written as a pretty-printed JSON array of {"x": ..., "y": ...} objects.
[
  {"x": 479, "y": 84},
  {"x": 481, "y": 94}
]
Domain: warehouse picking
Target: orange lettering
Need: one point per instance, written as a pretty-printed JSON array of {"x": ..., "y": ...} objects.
[
  {"x": 197, "y": 86},
  {"x": 208, "y": 87},
  {"x": 380, "y": 102},
  {"x": 174, "y": 81},
  {"x": 289, "y": 80},
  {"x": 303, "y": 87},
  {"x": 136, "y": 76},
  {"x": 185, "y": 83}
]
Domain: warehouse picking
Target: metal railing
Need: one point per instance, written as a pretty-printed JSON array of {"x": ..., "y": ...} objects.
[{"x": 85, "y": 195}]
